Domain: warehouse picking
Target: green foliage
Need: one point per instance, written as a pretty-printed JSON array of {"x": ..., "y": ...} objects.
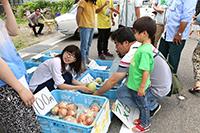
[{"x": 61, "y": 6}]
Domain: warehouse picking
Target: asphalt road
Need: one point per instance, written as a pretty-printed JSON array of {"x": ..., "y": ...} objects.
[{"x": 175, "y": 116}]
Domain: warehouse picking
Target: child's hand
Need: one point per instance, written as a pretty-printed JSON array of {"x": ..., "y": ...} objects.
[{"x": 141, "y": 92}]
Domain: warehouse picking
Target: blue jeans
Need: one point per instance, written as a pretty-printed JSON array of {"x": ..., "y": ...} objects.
[
  {"x": 86, "y": 36},
  {"x": 152, "y": 99},
  {"x": 131, "y": 98},
  {"x": 124, "y": 96}
]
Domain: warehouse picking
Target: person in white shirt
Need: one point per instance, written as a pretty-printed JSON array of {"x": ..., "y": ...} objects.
[
  {"x": 57, "y": 72},
  {"x": 131, "y": 14},
  {"x": 126, "y": 46}
]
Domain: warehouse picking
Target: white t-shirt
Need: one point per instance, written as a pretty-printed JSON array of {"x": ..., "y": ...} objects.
[
  {"x": 131, "y": 16},
  {"x": 160, "y": 18},
  {"x": 47, "y": 70},
  {"x": 125, "y": 61}
]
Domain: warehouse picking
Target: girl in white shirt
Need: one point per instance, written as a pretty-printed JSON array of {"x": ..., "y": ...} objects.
[{"x": 57, "y": 72}]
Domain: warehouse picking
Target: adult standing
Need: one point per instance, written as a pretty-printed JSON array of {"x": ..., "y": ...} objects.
[
  {"x": 196, "y": 69},
  {"x": 33, "y": 22},
  {"x": 197, "y": 9},
  {"x": 178, "y": 19},
  {"x": 85, "y": 19},
  {"x": 16, "y": 113},
  {"x": 160, "y": 7},
  {"x": 104, "y": 21},
  {"x": 128, "y": 15}
]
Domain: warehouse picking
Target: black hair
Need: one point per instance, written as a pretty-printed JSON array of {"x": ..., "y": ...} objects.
[
  {"x": 93, "y": 1},
  {"x": 123, "y": 34},
  {"x": 76, "y": 66},
  {"x": 37, "y": 9},
  {"x": 146, "y": 24}
]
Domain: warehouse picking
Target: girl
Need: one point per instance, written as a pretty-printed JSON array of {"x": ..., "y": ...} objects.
[
  {"x": 57, "y": 72},
  {"x": 16, "y": 113},
  {"x": 85, "y": 19}
]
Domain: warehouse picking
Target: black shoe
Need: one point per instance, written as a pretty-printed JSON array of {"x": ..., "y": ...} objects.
[
  {"x": 108, "y": 54},
  {"x": 40, "y": 34},
  {"x": 102, "y": 57},
  {"x": 36, "y": 35},
  {"x": 153, "y": 112}
]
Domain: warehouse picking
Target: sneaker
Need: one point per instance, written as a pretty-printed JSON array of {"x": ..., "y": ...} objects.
[
  {"x": 140, "y": 129},
  {"x": 102, "y": 57},
  {"x": 108, "y": 54},
  {"x": 153, "y": 112}
]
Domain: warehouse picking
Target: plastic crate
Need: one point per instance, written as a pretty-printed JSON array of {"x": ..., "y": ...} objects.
[
  {"x": 111, "y": 94},
  {"x": 30, "y": 63},
  {"x": 95, "y": 73},
  {"x": 52, "y": 53},
  {"x": 100, "y": 125},
  {"x": 107, "y": 63},
  {"x": 30, "y": 72}
]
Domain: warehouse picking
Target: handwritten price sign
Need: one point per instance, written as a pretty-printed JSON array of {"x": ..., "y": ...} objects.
[
  {"x": 44, "y": 102},
  {"x": 125, "y": 113}
]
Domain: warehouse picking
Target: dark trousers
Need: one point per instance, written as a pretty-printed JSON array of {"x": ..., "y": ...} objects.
[
  {"x": 50, "y": 83},
  {"x": 172, "y": 52},
  {"x": 103, "y": 36},
  {"x": 197, "y": 9},
  {"x": 34, "y": 28}
]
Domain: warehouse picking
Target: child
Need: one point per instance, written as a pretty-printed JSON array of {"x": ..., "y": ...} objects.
[
  {"x": 85, "y": 19},
  {"x": 140, "y": 68},
  {"x": 16, "y": 113},
  {"x": 57, "y": 72}
]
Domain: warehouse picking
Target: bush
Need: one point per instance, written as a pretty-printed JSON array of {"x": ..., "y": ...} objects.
[{"x": 61, "y": 6}]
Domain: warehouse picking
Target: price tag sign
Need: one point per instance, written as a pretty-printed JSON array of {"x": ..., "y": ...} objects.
[
  {"x": 125, "y": 113},
  {"x": 44, "y": 102},
  {"x": 87, "y": 79},
  {"x": 94, "y": 65}
]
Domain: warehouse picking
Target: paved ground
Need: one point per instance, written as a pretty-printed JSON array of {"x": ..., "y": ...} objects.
[{"x": 175, "y": 116}]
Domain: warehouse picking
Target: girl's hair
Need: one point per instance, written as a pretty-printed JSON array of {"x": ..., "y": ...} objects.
[
  {"x": 76, "y": 66},
  {"x": 146, "y": 24},
  {"x": 123, "y": 34},
  {"x": 93, "y": 1}
]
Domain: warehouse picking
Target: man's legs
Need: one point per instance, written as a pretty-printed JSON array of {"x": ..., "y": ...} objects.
[
  {"x": 175, "y": 54},
  {"x": 33, "y": 28},
  {"x": 151, "y": 99},
  {"x": 164, "y": 47},
  {"x": 124, "y": 96},
  {"x": 41, "y": 27}
]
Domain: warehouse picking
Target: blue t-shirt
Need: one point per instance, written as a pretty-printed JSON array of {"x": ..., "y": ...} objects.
[{"x": 9, "y": 54}]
